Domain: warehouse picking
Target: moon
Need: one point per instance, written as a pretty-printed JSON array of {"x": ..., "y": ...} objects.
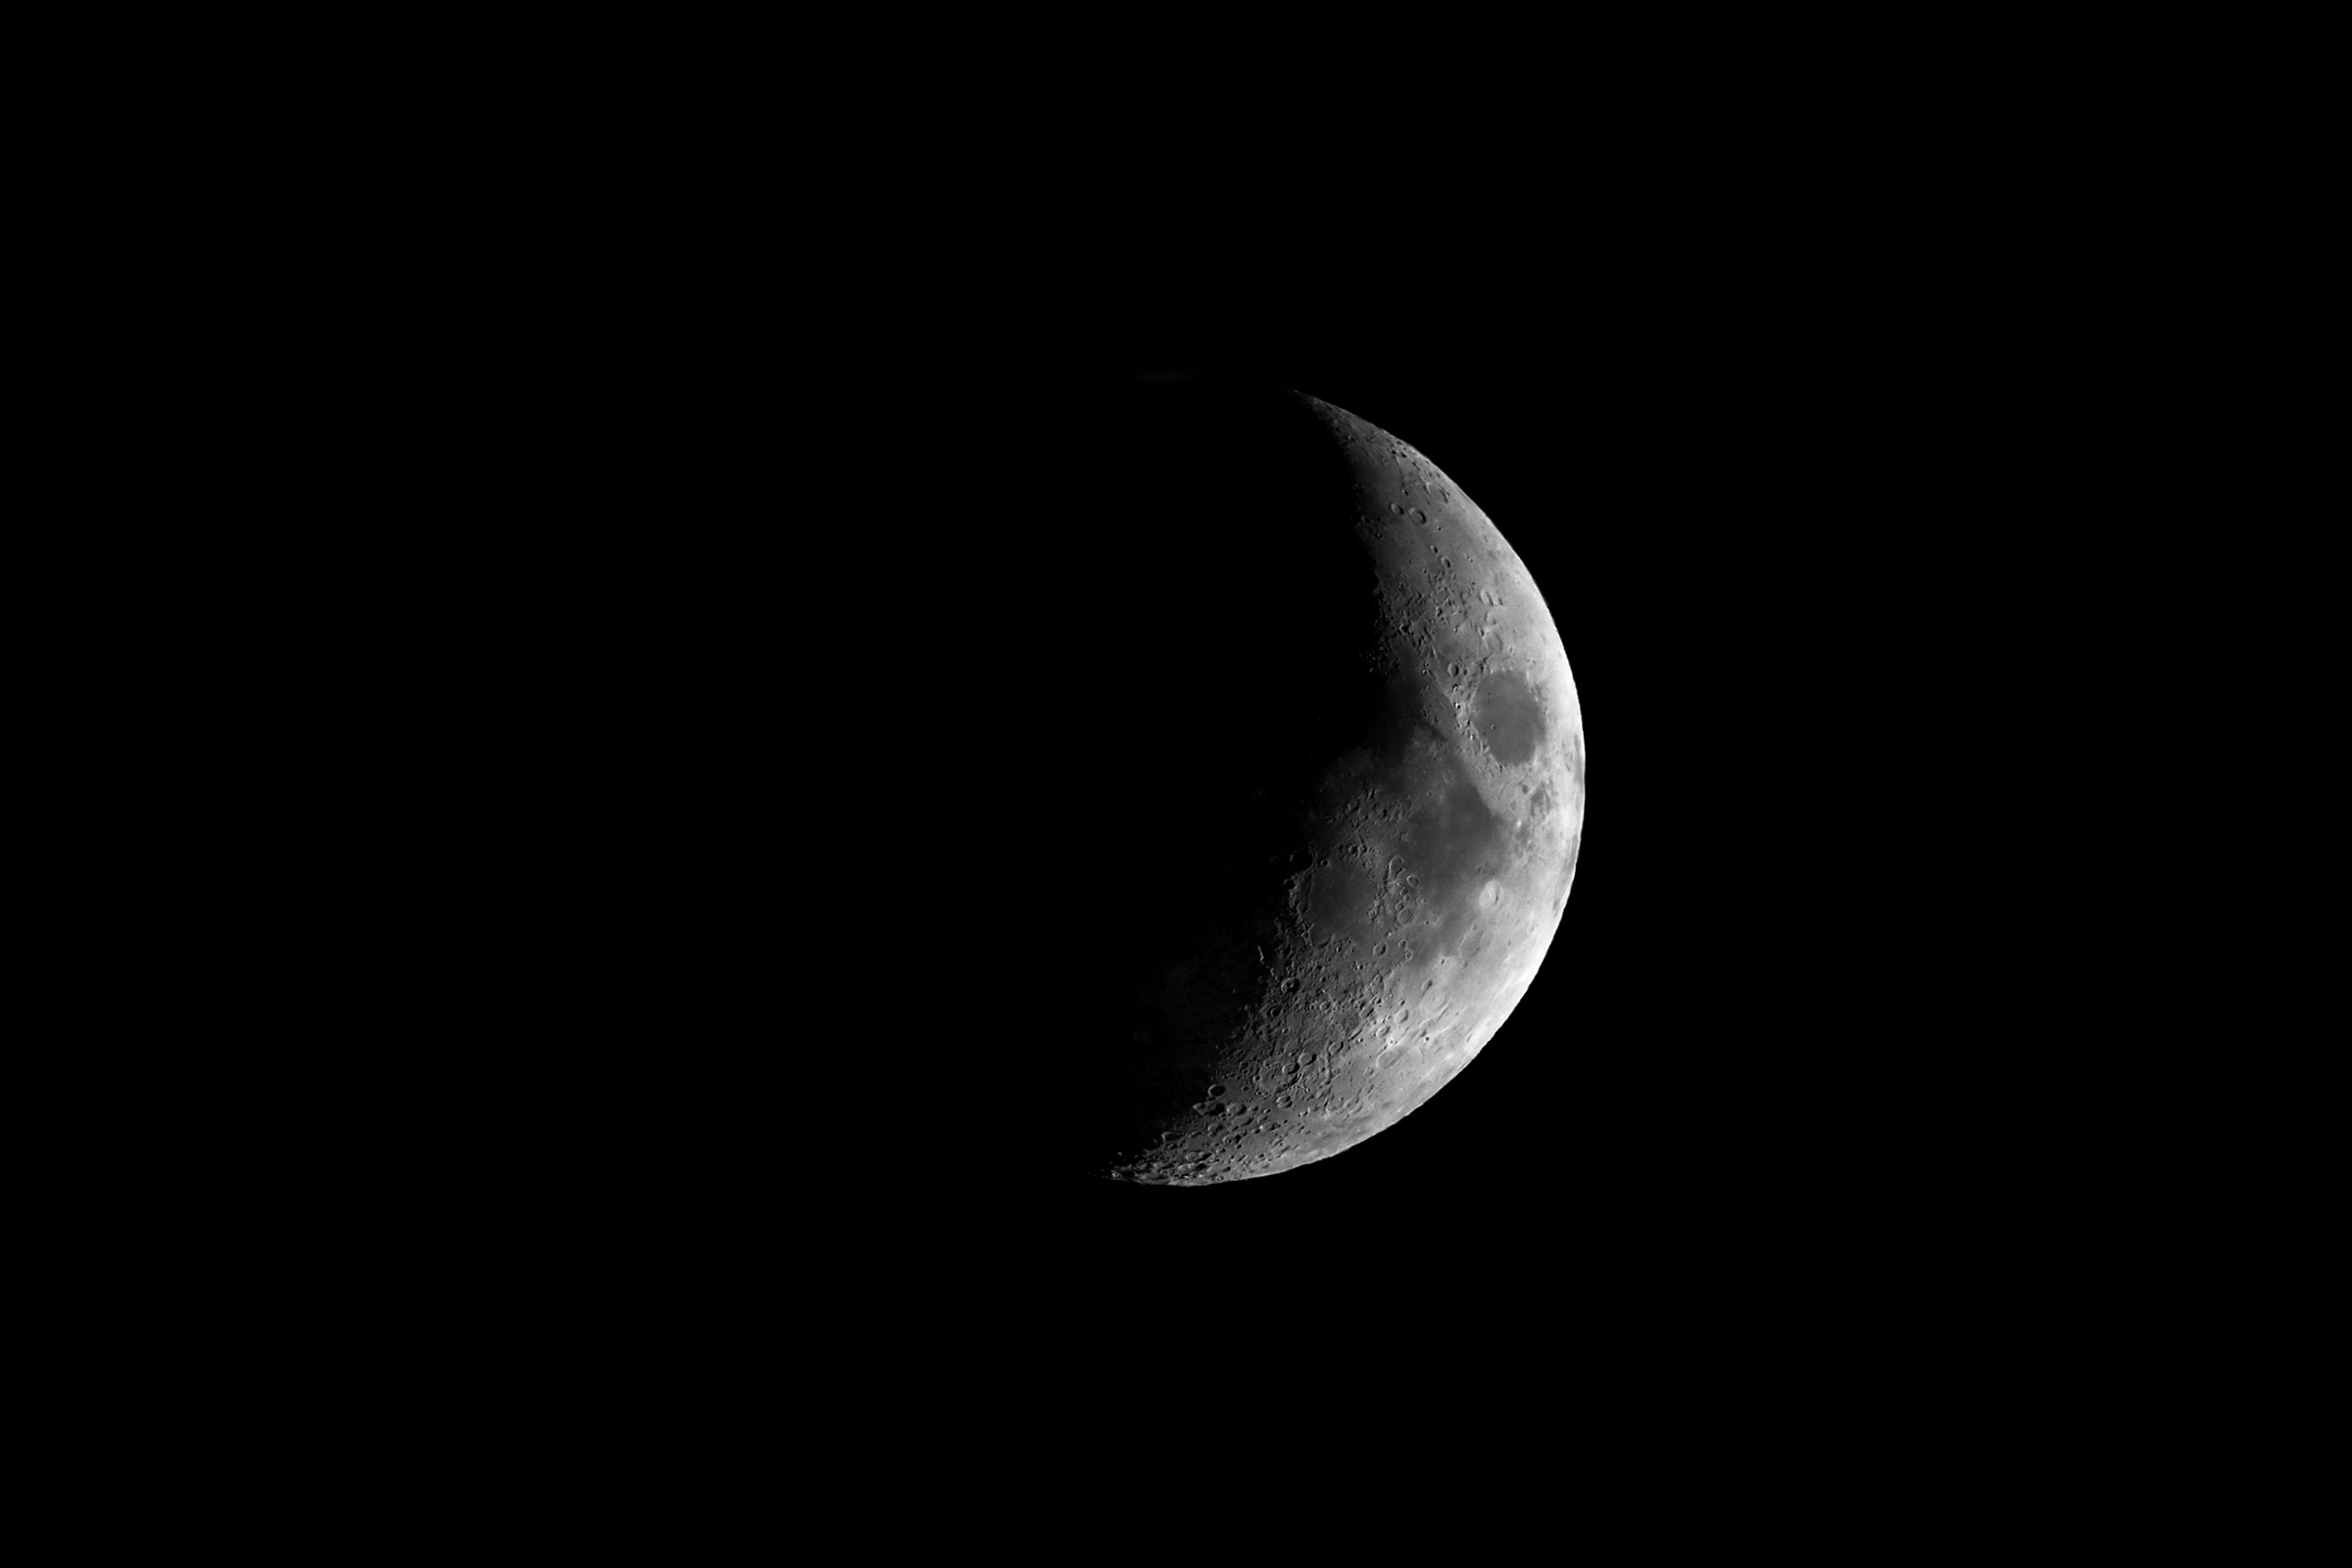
[{"x": 1334, "y": 767}]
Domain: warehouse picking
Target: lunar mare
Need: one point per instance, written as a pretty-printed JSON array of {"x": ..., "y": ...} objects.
[{"x": 1425, "y": 870}]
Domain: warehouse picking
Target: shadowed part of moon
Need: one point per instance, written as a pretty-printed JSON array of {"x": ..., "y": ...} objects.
[{"x": 1509, "y": 718}]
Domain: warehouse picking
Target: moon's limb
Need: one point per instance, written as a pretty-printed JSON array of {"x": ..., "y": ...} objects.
[{"x": 1439, "y": 866}]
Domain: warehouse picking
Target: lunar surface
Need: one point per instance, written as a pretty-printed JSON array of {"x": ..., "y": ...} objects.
[{"x": 1326, "y": 780}]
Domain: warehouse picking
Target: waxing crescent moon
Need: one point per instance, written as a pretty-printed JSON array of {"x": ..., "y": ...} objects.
[{"x": 1431, "y": 868}]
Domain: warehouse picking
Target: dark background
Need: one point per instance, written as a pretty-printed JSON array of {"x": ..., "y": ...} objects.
[
  {"x": 1729, "y": 1061},
  {"x": 775, "y": 723},
  {"x": 700, "y": 968}
]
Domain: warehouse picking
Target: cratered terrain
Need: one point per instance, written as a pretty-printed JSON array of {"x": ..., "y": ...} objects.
[{"x": 1320, "y": 783}]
